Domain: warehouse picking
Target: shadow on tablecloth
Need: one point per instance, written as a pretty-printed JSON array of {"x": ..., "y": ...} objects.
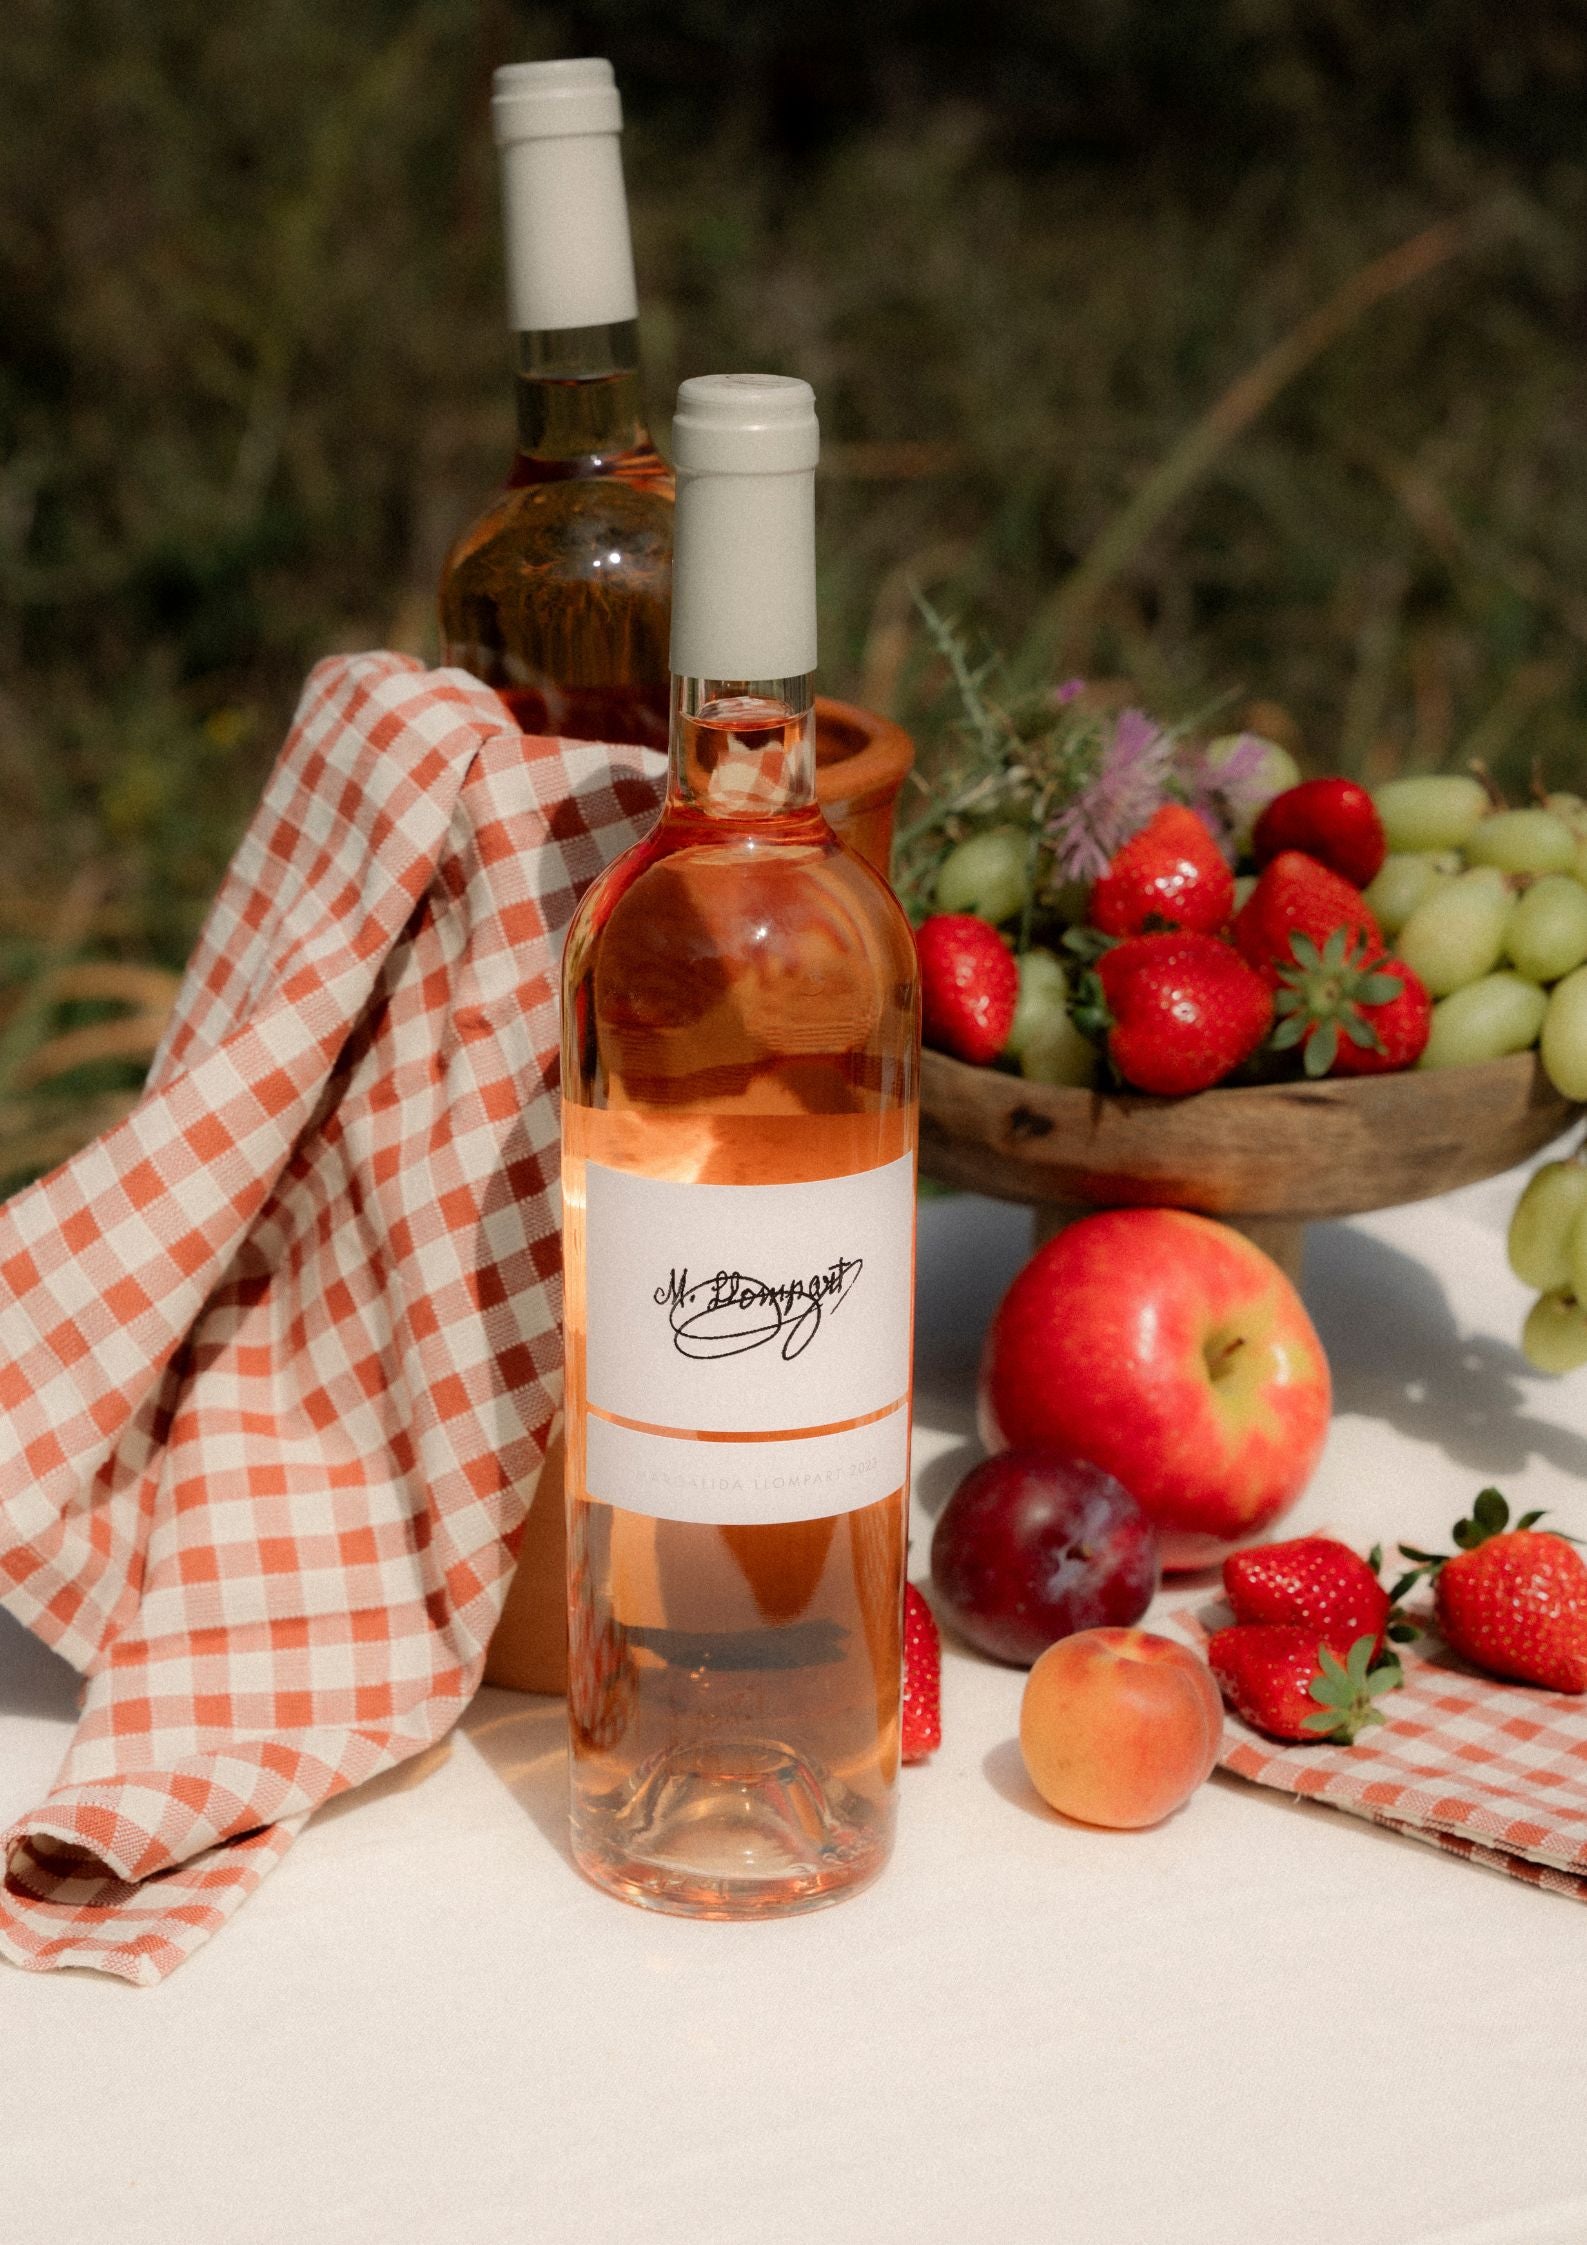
[
  {"x": 1398, "y": 1354},
  {"x": 34, "y": 1681},
  {"x": 523, "y": 1736}
]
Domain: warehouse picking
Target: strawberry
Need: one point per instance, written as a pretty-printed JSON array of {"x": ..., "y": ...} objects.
[
  {"x": 1351, "y": 1014},
  {"x": 1298, "y": 895},
  {"x": 1285, "y": 1679},
  {"x": 1400, "y": 1025},
  {"x": 1510, "y": 1600},
  {"x": 1313, "y": 1581},
  {"x": 922, "y": 1723},
  {"x": 969, "y": 985},
  {"x": 1332, "y": 820},
  {"x": 1180, "y": 1011},
  {"x": 1170, "y": 875}
]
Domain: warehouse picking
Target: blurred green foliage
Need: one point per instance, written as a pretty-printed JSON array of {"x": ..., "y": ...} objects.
[{"x": 255, "y": 371}]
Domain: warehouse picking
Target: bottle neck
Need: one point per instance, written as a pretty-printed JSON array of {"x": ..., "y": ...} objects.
[
  {"x": 579, "y": 403},
  {"x": 742, "y": 748}
]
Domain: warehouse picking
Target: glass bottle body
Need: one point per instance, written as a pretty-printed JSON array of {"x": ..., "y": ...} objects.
[
  {"x": 739, "y": 1010},
  {"x": 559, "y": 595}
]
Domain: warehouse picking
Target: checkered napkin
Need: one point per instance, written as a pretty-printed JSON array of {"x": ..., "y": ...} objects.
[
  {"x": 279, "y": 1355},
  {"x": 1493, "y": 1772}
]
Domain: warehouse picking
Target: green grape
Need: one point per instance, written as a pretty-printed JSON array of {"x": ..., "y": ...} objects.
[
  {"x": 1580, "y": 866},
  {"x": 986, "y": 875},
  {"x": 1435, "y": 812},
  {"x": 1548, "y": 929},
  {"x": 1575, "y": 1252},
  {"x": 1043, "y": 996},
  {"x": 1275, "y": 772},
  {"x": 1541, "y": 1240},
  {"x": 1574, "y": 811},
  {"x": 1532, "y": 841},
  {"x": 1457, "y": 934},
  {"x": 1405, "y": 881},
  {"x": 1483, "y": 1021},
  {"x": 1564, "y": 1039},
  {"x": 1554, "y": 1337},
  {"x": 1057, "y": 1053}
]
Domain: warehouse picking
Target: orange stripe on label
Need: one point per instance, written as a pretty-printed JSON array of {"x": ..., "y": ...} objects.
[{"x": 773, "y": 1434}]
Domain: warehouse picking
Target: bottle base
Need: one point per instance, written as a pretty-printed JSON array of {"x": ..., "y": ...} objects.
[{"x": 745, "y": 1831}]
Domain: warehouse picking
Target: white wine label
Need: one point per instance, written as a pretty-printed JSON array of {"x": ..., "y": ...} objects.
[
  {"x": 738, "y": 1484},
  {"x": 775, "y": 1312}
]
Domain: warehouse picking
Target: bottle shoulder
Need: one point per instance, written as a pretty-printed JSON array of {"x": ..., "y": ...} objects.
[
  {"x": 773, "y": 977},
  {"x": 753, "y": 891},
  {"x": 586, "y": 526}
]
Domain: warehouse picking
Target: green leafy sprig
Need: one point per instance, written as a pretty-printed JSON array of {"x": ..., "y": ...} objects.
[{"x": 1050, "y": 761}]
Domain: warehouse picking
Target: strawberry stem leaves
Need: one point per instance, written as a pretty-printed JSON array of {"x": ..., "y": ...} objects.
[
  {"x": 1346, "y": 1689},
  {"x": 1490, "y": 1516},
  {"x": 1321, "y": 997}
]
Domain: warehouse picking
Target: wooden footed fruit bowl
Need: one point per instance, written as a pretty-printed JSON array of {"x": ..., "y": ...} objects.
[{"x": 1266, "y": 1159}]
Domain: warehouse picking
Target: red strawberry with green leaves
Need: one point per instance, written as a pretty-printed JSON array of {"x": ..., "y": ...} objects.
[
  {"x": 1286, "y": 1680},
  {"x": 1170, "y": 875},
  {"x": 1400, "y": 1025},
  {"x": 922, "y": 1718},
  {"x": 1510, "y": 1600},
  {"x": 1180, "y": 1012},
  {"x": 1352, "y": 1014},
  {"x": 969, "y": 986},
  {"x": 1299, "y": 896},
  {"x": 1314, "y": 1582},
  {"x": 1332, "y": 820}
]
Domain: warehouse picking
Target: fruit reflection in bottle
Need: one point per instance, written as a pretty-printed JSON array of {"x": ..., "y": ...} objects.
[
  {"x": 558, "y": 595},
  {"x": 740, "y": 1052}
]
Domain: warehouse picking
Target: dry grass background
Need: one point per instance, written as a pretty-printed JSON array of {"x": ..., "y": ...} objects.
[{"x": 1234, "y": 346}]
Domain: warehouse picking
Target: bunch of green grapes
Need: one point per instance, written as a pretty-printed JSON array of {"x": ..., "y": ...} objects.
[
  {"x": 1489, "y": 907},
  {"x": 1548, "y": 1250}
]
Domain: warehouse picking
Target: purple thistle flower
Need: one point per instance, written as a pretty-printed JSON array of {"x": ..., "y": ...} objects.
[
  {"x": 1116, "y": 802},
  {"x": 1070, "y": 691}
]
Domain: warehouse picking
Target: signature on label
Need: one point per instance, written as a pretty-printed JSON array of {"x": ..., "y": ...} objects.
[{"x": 731, "y": 1313}]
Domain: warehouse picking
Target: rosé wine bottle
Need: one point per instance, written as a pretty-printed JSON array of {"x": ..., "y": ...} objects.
[
  {"x": 558, "y": 595},
  {"x": 740, "y": 1057}
]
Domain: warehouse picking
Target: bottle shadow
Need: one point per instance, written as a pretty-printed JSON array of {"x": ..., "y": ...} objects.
[
  {"x": 1397, "y": 1353},
  {"x": 936, "y": 1480},
  {"x": 523, "y": 1739}
]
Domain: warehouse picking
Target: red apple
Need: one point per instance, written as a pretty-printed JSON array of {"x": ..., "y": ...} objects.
[{"x": 1172, "y": 1353}]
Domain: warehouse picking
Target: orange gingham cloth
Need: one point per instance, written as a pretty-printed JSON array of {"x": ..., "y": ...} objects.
[
  {"x": 279, "y": 1354},
  {"x": 1493, "y": 1772}
]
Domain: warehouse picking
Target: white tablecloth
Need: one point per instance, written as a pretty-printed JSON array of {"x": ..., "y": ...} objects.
[{"x": 1262, "y": 2022}]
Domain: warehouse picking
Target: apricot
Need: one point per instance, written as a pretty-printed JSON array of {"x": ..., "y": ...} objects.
[{"x": 1119, "y": 1726}]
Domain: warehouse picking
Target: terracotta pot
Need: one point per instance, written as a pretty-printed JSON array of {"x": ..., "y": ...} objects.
[
  {"x": 862, "y": 761},
  {"x": 529, "y": 1651}
]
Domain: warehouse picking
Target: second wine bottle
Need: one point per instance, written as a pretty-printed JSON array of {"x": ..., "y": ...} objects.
[{"x": 740, "y": 1055}]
